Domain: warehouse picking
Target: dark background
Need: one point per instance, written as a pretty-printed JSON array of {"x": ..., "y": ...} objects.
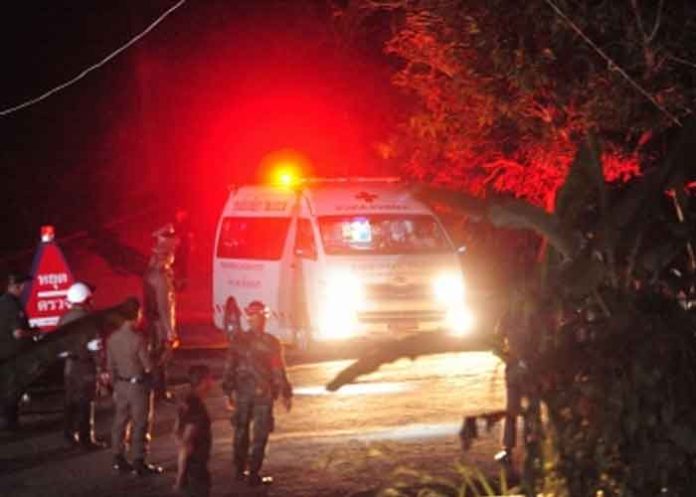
[{"x": 188, "y": 110}]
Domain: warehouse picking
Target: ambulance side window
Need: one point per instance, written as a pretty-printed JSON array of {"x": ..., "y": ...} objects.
[{"x": 304, "y": 242}]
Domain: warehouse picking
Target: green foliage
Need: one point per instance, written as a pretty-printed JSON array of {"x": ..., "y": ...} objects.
[{"x": 409, "y": 482}]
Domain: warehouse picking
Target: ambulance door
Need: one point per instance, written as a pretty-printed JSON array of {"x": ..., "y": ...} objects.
[
  {"x": 284, "y": 286},
  {"x": 306, "y": 254}
]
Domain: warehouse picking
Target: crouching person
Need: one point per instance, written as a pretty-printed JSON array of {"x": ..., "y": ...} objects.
[{"x": 194, "y": 436}]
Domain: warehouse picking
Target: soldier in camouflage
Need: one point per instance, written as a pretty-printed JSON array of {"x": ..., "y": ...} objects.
[{"x": 254, "y": 378}]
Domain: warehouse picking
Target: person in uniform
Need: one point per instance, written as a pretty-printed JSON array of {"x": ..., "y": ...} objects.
[
  {"x": 15, "y": 334},
  {"x": 160, "y": 314},
  {"x": 194, "y": 436},
  {"x": 81, "y": 371},
  {"x": 130, "y": 366},
  {"x": 182, "y": 228},
  {"x": 254, "y": 378}
]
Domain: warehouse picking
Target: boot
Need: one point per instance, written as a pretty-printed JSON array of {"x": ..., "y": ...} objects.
[
  {"x": 240, "y": 474},
  {"x": 70, "y": 439},
  {"x": 121, "y": 465},
  {"x": 255, "y": 479},
  {"x": 141, "y": 468}
]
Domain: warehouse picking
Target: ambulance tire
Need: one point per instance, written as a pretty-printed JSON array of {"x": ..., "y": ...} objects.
[{"x": 232, "y": 318}]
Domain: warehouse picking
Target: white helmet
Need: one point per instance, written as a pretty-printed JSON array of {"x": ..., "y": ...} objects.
[{"x": 79, "y": 293}]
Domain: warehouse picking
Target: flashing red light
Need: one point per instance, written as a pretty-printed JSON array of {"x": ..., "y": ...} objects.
[
  {"x": 286, "y": 176},
  {"x": 48, "y": 233}
]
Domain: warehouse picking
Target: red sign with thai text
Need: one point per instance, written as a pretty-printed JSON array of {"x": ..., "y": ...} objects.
[{"x": 46, "y": 294}]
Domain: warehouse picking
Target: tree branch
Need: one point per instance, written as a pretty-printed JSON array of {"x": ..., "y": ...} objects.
[
  {"x": 639, "y": 20},
  {"x": 658, "y": 19},
  {"x": 681, "y": 61},
  {"x": 612, "y": 63}
]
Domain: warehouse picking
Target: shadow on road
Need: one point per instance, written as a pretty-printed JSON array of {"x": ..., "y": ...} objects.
[{"x": 20, "y": 463}]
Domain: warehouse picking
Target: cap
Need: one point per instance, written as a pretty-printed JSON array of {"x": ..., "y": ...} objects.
[
  {"x": 16, "y": 278},
  {"x": 256, "y": 307}
]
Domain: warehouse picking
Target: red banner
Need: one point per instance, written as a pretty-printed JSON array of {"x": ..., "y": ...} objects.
[{"x": 45, "y": 298}]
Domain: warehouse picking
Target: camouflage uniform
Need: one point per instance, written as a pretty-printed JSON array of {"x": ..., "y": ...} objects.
[
  {"x": 160, "y": 315},
  {"x": 80, "y": 381},
  {"x": 255, "y": 376}
]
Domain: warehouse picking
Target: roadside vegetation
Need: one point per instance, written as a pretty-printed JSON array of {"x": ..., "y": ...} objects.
[{"x": 571, "y": 122}]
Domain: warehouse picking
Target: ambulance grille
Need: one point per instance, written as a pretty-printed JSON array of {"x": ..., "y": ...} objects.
[
  {"x": 389, "y": 291},
  {"x": 392, "y": 316}
]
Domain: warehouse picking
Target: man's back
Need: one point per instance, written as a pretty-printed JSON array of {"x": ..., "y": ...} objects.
[{"x": 126, "y": 353}]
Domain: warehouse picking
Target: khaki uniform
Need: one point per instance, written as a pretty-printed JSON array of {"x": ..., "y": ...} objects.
[
  {"x": 129, "y": 364},
  {"x": 255, "y": 375},
  {"x": 80, "y": 381},
  {"x": 160, "y": 314}
]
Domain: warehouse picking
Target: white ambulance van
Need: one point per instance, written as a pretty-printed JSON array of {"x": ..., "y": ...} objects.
[{"x": 337, "y": 259}]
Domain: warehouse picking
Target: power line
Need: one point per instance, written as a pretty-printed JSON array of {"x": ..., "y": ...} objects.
[
  {"x": 132, "y": 41},
  {"x": 612, "y": 64}
]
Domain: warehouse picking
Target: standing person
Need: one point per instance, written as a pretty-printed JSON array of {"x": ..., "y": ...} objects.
[
  {"x": 514, "y": 328},
  {"x": 182, "y": 228},
  {"x": 80, "y": 374},
  {"x": 254, "y": 378},
  {"x": 160, "y": 314},
  {"x": 15, "y": 334},
  {"x": 192, "y": 430},
  {"x": 129, "y": 366}
]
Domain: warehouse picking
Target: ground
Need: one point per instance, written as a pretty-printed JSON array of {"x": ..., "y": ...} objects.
[{"x": 406, "y": 415}]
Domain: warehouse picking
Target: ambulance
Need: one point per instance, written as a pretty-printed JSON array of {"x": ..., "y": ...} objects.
[{"x": 337, "y": 259}]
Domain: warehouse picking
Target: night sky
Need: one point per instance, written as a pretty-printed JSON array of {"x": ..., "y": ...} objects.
[{"x": 192, "y": 107}]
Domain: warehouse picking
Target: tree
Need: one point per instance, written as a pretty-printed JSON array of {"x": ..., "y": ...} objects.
[
  {"x": 504, "y": 90},
  {"x": 609, "y": 326}
]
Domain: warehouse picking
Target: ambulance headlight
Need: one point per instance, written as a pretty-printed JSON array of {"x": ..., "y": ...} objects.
[
  {"x": 343, "y": 297},
  {"x": 344, "y": 286},
  {"x": 459, "y": 320},
  {"x": 449, "y": 288}
]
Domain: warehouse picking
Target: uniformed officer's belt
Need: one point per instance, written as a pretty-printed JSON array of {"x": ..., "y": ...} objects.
[{"x": 132, "y": 379}]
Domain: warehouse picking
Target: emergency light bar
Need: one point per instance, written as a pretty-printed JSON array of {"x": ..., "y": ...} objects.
[
  {"x": 303, "y": 181},
  {"x": 358, "y": 179}
]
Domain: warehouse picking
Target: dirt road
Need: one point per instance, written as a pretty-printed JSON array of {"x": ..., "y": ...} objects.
[{"x": 331, "y": 444}]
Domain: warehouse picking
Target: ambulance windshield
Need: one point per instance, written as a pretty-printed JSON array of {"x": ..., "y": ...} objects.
[
  {"x": 382, "y": 234},
  {"x": 261, "y": 238}
]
